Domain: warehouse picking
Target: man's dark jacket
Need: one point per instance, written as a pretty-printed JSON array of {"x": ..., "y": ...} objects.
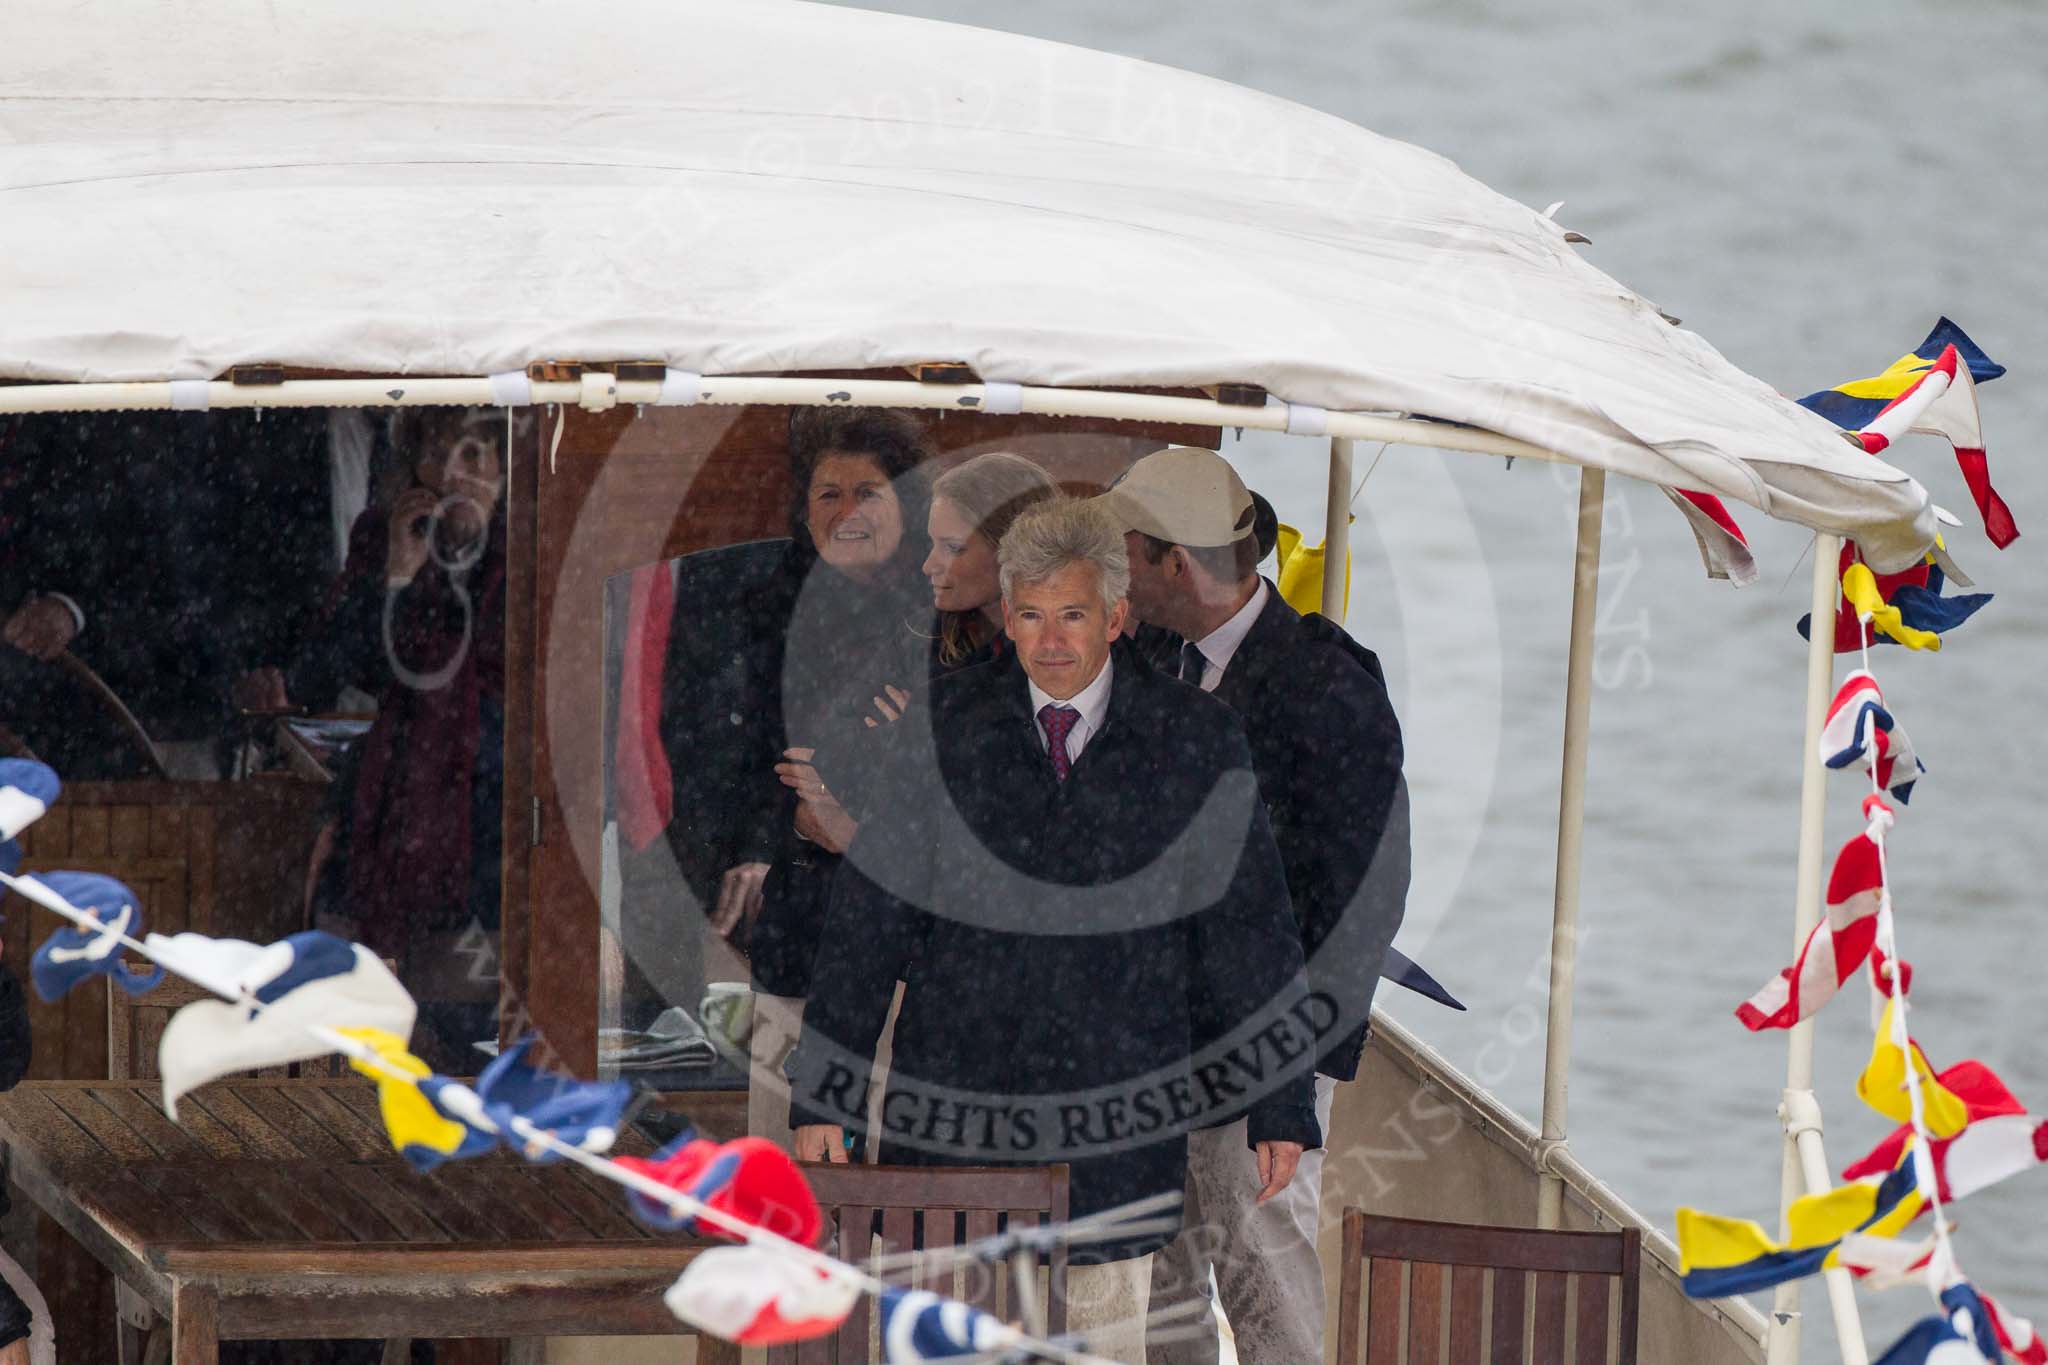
[
  {"x": 969, "y": 858},
  {"x": 1327, "y": 749}
]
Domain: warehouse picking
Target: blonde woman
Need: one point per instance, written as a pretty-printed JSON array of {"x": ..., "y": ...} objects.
[{"x": 973, "y": 504}]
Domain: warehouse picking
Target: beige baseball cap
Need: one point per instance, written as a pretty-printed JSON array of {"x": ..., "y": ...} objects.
[{"x": 1184, "y": 495}]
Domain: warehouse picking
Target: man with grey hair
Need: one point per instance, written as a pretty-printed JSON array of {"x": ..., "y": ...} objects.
[{"x": 1064, "y": 858}]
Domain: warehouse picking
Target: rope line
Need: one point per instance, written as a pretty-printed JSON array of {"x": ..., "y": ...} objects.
[
  {"x": 470, "y": 1107},
  {"x": 1943, "y": 1268}
]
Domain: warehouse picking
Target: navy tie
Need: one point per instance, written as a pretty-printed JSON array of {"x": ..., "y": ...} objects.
[{"x": 1192, "y": 665}]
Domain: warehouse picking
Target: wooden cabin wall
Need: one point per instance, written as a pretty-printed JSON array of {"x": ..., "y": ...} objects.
[{"x": 624, "y": 489}]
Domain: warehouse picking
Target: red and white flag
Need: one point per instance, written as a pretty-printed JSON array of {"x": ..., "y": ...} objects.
[
  {"x": 1836, "y": 947},
  {"x": 1906, "y": 412},
  {"x": 1885, "y": 1262},
  {"x": 1983, "y": 1094},
  {"x": 1861, "y": 730},
  {"x": 1987, "y": 1152},
  {"x": 1723, "y": 547},
  {"x": 1943, "y": 402},
  {"x": 758, "y": 1297},
  {"x": 2016, "y": 1336}
]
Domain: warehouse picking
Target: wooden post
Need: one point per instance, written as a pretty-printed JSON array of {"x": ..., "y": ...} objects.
[{"x": 195, "y": 1324}]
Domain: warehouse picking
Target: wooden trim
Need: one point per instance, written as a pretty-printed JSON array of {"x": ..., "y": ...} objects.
[
  {"x": 1351, "y": 1288},
  {"x": 1631, "y": 1290},
  {"x": 148, "y": 791},
  {"x": 561, "y": 994},
  {"x": 1425, "y": 1312},
  {"x": 195, "y": 1325},
  {"x": 522, "y": 476},
  {"x": 1591, "y": 1315},
  {"x": 1510, "y": 1295},
  {"x": 1547, "y": 1345},
  {"x": 997, "y": 1188},
  {"x": 1412, "y": 1239},
  {"x": 606, "y": 1305},
  {"x": 1468, "y": 1286},
  {"x": 406, "y": 1259},
  {"x": 1383, "y": 1313}
]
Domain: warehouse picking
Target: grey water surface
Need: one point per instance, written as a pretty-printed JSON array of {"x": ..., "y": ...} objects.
[{"x": 1807, "y": 186}]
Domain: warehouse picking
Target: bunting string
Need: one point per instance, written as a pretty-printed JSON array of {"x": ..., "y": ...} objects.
[
  {"x": 1943, "y": 1269},
  {"x": 990, "y": 1339},
  {"x": 1961, "y": 1129}
]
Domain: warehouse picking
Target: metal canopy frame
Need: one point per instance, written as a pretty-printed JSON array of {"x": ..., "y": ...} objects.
[{"x": 1804, "y": 1167}]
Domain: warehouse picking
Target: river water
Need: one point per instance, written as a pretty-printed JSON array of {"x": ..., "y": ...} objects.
[{"x": 1809, "y": 188}]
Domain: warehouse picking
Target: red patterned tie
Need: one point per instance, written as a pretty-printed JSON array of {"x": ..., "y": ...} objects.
[{"x": 1058, "y": 722}]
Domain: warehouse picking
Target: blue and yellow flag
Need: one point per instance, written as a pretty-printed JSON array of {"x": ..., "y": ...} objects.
[
  {"x": 1947, "y": 408},
  {"x": 419, "y": 1132},
  {"x": 584, "y": 1114},
  {"x": 1853, "y": 404},
  {"x": 1723, "y": 1256}
]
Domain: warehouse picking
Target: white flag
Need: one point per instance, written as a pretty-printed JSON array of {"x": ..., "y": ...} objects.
[{"x": 279, "y": 992}]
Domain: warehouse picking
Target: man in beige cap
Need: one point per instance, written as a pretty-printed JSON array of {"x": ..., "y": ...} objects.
[{"x": 1326, "y": 748}]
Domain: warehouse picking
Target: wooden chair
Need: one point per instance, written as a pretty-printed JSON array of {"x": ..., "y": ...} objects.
[
  {"x": 926, "y": 1208},
  {"x": 1494, "y": 1313}
]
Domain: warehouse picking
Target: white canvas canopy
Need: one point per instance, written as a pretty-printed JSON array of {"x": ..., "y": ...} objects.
[{"x": 389, "y": 188}]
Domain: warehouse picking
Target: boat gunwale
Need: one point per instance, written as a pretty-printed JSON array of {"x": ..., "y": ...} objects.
[{"x": 1509, "y": 1130}]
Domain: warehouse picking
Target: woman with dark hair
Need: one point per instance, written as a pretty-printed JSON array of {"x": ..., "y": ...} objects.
[
  {"x": 973, "y": 504},
  {"x": 775, "y": 645}
]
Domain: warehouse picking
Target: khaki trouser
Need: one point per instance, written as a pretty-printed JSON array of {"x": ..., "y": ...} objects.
[
  {"x": 1106, "y": 1304},
  {"x": 1268, "y": 1274}
]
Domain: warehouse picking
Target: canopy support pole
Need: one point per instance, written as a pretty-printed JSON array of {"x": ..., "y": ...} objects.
[
  {"x": 1337, "y": 532},
  {"x": 1571, "y": 820},
  {"x": 1804, "y": 1167}
]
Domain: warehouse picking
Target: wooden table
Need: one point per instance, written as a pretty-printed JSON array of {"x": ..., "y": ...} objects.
[{"x": 276, "y": 1209}]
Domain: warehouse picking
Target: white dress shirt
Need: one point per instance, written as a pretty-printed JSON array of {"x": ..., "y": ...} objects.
[
  {"x": 1091, "y": 701},
  {"x": 1220, "y": 644}
]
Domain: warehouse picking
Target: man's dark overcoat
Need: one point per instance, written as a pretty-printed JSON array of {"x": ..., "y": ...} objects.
[
  {"x": 1327, "y": 749},
  {"x": 1112, "y": 956}
]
